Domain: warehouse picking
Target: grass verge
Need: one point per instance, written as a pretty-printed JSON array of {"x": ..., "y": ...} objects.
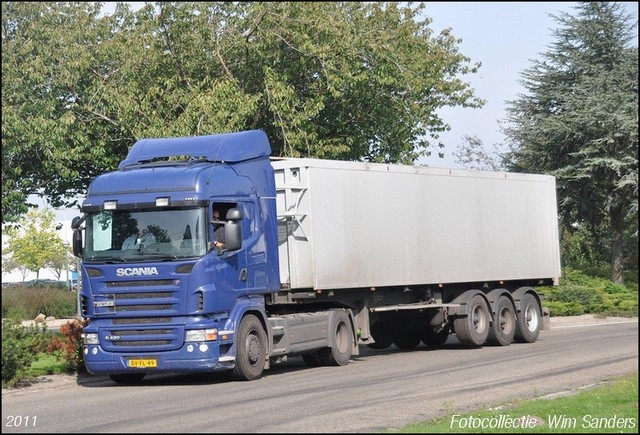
[
  {"x": 610, "y": 408},
  {"x": 48, "y": 364}
]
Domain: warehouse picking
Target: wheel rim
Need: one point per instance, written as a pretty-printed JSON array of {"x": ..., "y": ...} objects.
[
  {"x": 478, "y": 319},
  {"x": 253, "y": 347},
  {"x": 506, "y": 321},
  {"x": 531, "y": 318}
]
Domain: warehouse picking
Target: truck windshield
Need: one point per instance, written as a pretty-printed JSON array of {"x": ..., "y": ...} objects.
[{"x": 125, "y": 235}]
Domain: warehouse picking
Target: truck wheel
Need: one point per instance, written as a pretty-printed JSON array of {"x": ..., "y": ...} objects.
[
  {"x": 127, "y": 378},
  {"x": 340, "y": 353},
  {"x": 407, "y": 339},
  {"x": 529, "y": 320},
  {"x": 381, "y": 335},
  {"x": 504, "y": 323},
  {"x": 473, "y": 329},
  {"x": 251, "y": 342},
  {"x": 435, "y": 339}
]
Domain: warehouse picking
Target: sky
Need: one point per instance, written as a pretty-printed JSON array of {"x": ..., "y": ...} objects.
[{"x": 505, "y": 37}]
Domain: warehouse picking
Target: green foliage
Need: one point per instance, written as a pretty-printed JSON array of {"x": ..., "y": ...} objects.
[
  {"x": 19, "y": 301},
  {"x": 17, "y": 351},
  {"x": 48, "y": 364},
  {"x": 337, "y": 80},
  {"x": 580, "y": 250},
  {"x": 579, "y": 293},
  {"x": 579, "y": 121}
]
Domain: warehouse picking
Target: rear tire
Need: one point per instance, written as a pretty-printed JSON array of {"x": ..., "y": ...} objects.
[
  {"x": 407, "y": 339},
  {"x": 473, "y": 329},
  {"x": 251, "y": 342},
  {"x": 504, "y": 323},
  {"x": 529, "y": 320},
  {"x": 340, "y": 353}
]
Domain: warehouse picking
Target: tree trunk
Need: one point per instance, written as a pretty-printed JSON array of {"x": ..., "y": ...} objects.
[{"x": 617, "y": 244}]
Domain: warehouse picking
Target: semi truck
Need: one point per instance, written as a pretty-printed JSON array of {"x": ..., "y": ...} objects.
[{"x": 318, "y": 258}]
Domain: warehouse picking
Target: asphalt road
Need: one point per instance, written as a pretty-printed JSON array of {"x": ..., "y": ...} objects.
[{"x": 375, "y": 391}]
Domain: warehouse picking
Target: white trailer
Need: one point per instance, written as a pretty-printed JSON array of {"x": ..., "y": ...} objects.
[
  {"x": 349, "y": 225},
  {"x": 402, "y": 245}
]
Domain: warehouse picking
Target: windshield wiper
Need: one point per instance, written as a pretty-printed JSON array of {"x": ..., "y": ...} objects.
[
  {"x": 107, "y": 259},
  {"x": 159, "y": 255}
]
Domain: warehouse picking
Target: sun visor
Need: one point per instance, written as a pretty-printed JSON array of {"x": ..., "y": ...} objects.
[{"x": 227, "y": 147}]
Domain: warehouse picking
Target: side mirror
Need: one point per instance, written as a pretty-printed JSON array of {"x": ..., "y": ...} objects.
[
  {"x": 77, "y": 235},
  {"x": 234, "y": 214},
  {"x": 77, "y": 243},
  {"x": 233, "y": 230}
]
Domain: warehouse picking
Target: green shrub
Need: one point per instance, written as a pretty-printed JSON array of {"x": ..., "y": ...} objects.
[
  {"x": 17, "y": 351},
  {"x": 19, "y": 301},
  {"x": 580, "y": 293},
  {"x": 557, "y": 308}
]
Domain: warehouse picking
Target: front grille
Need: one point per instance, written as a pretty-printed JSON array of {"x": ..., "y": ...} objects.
[
  {"x": 141, "y": 339},
  {"x": 144, "y": 295},
  {"x": 154, "y": 307},
  {"x": 142, "y": 343},
  {"x": 141, "y": 320},
  {"x": 146, "y": 283},
  {"x": 152, "y": 302},
  {"x": 126, "y": 332}
]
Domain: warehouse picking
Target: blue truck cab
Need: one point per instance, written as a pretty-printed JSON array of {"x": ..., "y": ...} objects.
[{"x": 173, "y": 300}]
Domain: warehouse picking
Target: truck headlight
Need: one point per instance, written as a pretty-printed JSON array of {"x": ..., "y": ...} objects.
[
  {"x": 201, "y": 335},
  {"x": 91, "y": 339}
]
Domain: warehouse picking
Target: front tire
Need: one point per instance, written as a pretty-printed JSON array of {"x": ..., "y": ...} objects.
[{"x": 251, "y": 342}]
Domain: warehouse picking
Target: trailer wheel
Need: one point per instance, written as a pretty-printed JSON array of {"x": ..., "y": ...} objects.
[
  {"x": 435, "y": 339},
  {"x": 504, "y": 323},
  {"x": 127, "y": 378},
  {"x": 407, "y": 339},
  {"x": 529, "y": 320},
  {"x": 340, "y": 353},
  {"x": 473, "y": 329},
  {"x": 381, "y": 335},
  {"x": 251, "y": 342}
]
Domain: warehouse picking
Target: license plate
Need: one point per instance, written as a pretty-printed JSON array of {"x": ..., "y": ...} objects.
[{"x": 143, "y": 363}]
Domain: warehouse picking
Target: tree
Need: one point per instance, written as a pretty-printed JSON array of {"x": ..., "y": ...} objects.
[
  {"x": 61, "y": 262},
  {"x": 34, "y": 243},
  {"x": 337, "y": 80},
  {"x": 579, "y": 122},
  {"x": 9, "y": 265},
  {"x": 471, "y": 154}
]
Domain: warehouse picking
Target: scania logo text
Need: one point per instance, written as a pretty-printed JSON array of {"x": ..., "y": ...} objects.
[{"x": 136, "y": 271}]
